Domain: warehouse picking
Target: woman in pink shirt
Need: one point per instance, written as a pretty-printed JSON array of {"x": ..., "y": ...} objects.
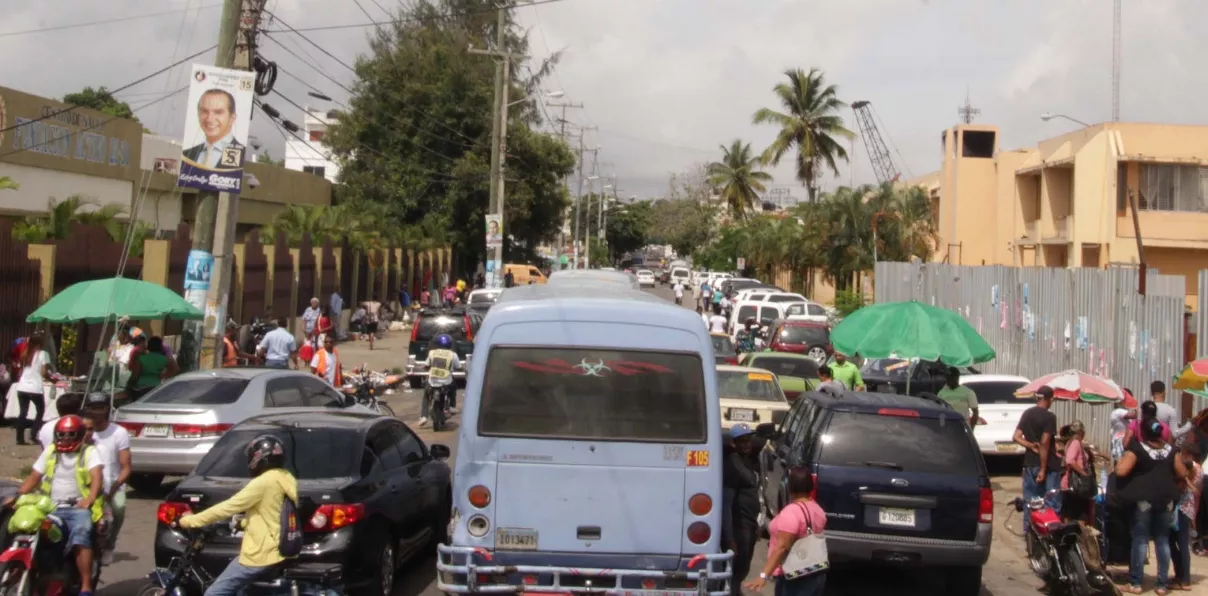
[
  {"x": 801, "y": 517},
  {"x": 1075, "y": 508}
]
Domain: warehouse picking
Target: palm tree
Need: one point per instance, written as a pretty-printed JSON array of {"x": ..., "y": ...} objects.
[
  {"x": 808, "y": 123},
  {"x": 7, "y": 183},
  {"x": 738, "y": 177},
  {"x": 60, "y": 216}
]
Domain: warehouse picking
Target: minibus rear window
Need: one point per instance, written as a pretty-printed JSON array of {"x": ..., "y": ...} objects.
[{"x": 590, "y": 394}]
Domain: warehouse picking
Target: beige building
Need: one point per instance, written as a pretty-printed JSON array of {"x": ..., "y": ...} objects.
[
  {"x": 55, "y": 154},
  {"x": 1064, "y": 203}
]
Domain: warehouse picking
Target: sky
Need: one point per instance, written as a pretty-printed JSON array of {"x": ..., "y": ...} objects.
[{"x": 668, "y": 81}]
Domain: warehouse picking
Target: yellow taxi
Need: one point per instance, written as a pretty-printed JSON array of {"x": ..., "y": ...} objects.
[{"x": 750, "y": 396}]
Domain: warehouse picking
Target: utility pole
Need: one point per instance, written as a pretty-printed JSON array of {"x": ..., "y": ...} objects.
[
  {"x": 214, "y": 227},
  {"x": 565, "y": 179},
  {"x": 595, "y": 175},
  {"x": 499, "y": 133},
  {"x": 574, "y": 236}
]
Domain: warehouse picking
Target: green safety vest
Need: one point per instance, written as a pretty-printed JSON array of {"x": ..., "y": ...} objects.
[
  {"x": 441, "y": 366},
  {"x": 83, "y": 478}
]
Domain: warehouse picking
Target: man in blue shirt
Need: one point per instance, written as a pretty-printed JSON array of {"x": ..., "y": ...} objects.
[
  {"x": 336, "y": 306},
  {"x": 278, "y": 348}
]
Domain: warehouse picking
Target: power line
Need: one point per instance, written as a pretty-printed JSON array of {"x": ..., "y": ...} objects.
[
  {"x": 655, "y": 143},
  {"x": 108, "y": 94},
  {"x": 400, "y": 21},
  {"x": 104, "y": 22}
]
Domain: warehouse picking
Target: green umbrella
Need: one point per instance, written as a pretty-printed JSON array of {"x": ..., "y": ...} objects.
[
  {"x": 98, "y": 300},
  {"x": 911, "y": 330}
]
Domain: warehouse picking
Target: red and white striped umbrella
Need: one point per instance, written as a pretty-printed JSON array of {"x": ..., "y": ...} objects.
[{"x": 1073, "y": 385}]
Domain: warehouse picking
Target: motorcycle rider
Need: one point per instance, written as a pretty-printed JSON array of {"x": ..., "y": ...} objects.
[
  {"x": 442, "y": 361},
  {"x": 113, "y": 444},
  {"x": 262, "y": 501},
  {"x": 70, "y": 471}
]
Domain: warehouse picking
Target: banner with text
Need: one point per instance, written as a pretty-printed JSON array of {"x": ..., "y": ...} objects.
[{"x": 216, "y": 129}]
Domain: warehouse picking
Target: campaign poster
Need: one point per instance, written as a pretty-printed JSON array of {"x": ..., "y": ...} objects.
[
  {"x": 494, "y": 232},
  {"x": 217, "y": 120},
  {"x": 198, "y": 269}
]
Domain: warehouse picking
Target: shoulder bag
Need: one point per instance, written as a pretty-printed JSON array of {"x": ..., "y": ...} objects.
[{"x": 808, "y": 554}]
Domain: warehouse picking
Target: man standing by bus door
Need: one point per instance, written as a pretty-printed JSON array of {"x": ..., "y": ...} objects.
[{"x": 740, "y": 502}]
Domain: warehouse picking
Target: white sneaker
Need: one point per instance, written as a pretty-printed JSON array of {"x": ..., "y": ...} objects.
[
  {"x": 106, "y": 557},
  {"x": 423, "y": 422}
]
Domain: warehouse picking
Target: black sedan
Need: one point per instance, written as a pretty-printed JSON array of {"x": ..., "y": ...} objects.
[{"x": 372, "y": 493}]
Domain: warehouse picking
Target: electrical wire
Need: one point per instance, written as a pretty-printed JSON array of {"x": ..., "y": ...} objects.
[
  {"x": 372, "y": 23},
  {"x": 136, "y": 17},
  {"x": 108, "y": 94}
]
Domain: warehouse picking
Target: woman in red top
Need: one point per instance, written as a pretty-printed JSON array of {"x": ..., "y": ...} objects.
[{"x": 324, "y": 326}]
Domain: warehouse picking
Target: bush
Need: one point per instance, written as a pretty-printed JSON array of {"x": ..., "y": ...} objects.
[{"x": 847, "y": 302}]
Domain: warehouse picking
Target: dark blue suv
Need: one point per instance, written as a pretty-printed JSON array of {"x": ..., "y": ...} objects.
[{"x": 900, "y": 477}]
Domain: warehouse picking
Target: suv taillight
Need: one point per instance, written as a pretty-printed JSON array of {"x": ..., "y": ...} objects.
[
  {"x": 415, "y": 329},
  {"x": 169, "y": 512},
  {"x": 469, "y": 332},
  {"x": 333, "y": 517},
  {"x": 814, "y": 492},
  {"x": 985, "y": 506}
]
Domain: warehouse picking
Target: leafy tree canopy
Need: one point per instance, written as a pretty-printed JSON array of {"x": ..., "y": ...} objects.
[{"x": 100, "y": 100}]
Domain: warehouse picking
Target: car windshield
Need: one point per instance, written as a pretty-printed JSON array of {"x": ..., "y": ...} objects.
[
  {"x": 891, "y": 368},
  {"x": 593, "y": 394},
  {"x": 784, "y": 366},
  {"x": 804, "y": 334},
  {"x": 205, "y": 391},
  {"x": 722, "y": 345},
  {"x": 745, "y": 384},
  {"x": 901, "y": 443},
  {"x": 308, "y": 452},
  {"x": 996, "y": 392},
  {"x": 432, "y": 325}
]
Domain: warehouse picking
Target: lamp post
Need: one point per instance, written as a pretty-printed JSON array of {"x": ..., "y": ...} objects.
[{"x": 1049, "y": 116}]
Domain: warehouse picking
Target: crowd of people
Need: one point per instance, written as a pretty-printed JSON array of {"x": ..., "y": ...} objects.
[{"x": 1154, "y": 483}]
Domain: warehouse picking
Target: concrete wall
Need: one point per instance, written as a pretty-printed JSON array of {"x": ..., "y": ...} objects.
[{"x": 38, "y": 185}]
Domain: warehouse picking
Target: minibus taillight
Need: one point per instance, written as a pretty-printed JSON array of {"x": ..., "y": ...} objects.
[
  {"x": 479, "y": 496},
  {"x": 700, "y": 504},
  {"x": 699, "y": 533}
]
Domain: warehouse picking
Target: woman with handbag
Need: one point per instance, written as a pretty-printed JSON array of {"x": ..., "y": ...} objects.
[
  {"x": 797, "y": 556},
  {"x": 1079, "y": 480}
]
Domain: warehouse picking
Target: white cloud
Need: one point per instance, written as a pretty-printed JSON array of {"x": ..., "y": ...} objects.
[{"x": 667, "y": 81}]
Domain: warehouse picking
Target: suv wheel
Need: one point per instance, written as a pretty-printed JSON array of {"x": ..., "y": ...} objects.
[{"x": 964, "y": 581}]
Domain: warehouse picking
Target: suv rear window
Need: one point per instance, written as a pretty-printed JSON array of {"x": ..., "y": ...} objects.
[
  {"x": 782, "y": 366},
  {"x": 803, "y": 334},
  {"x": 899, "y": 443},
  {"x": 198, "y": 392},
  {"x": 308, "y": 452},
  {"x": 593, "y": 394},
  {"x": 997, "y": 392},
  {"x": 435, "y": 324},
  {"x": 722, "y": 345}
]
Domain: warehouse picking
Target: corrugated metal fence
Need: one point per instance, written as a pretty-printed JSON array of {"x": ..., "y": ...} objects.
[
  {"x": 1045, "y": 320},
  {"x": 1200, "y": 325}
]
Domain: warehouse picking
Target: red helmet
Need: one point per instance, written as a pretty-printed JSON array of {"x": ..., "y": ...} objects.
[{"x": 69, "y": 433}]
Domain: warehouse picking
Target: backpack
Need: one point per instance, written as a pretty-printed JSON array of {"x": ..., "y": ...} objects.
[{"x": 290, "y": 543}]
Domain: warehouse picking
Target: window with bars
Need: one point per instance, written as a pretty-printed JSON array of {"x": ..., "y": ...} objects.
[
  {"x": 316, "y": 170},
  {"x": 1167, "y": 187}
]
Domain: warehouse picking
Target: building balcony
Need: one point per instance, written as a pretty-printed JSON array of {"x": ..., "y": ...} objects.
[{"x": 1061, "y": 231}]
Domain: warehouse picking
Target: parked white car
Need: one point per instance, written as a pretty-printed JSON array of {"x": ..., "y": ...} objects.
[
  {"x": 998, "y": 411},
  {"x": 645, "y": 277},
  {"x": 806, "y": 311}
]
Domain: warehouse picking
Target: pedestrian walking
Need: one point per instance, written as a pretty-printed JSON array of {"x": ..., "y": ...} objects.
[
  {"x": 336, "y": 304},
  {"x": 1185, "y": 517},
  {"x": 679, "y": 292},
  {"x": 1037, "y": 434},
  {"x": 35, "y": 370},
  {"x": 1077, "y": 459},
  {"x": 960, "y": 397},
  {"x": 827, "y": 380},
  {"x": 740, "y": 501},
  {"x": 847, "y": 372},
  {"x": 798, "y": 569},
  {"x": 310, "y": 320},
  {"x": 1148, "y": 477}
]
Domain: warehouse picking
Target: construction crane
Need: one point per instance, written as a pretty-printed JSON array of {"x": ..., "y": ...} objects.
[{"x": 878, "y": 152}]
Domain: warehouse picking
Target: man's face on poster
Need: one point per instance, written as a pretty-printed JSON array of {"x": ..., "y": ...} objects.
[
  {"x": 216, "y": 115},
  {"x": 493, "y": 228}
]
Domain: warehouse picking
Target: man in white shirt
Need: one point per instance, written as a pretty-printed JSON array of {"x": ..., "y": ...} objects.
[
  {"x": 326, "y": 363},
  {"x": 717, "y": 323},
  {"x": 113, "y": 446},
  {"x": 68, "y": 404},
  {"x": 310, "y": 320},
  {"x": 679, "y": 292},
  {"x": 278, "y": 348}
]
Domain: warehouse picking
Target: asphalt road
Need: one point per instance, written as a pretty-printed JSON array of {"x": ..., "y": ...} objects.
[{"x": 1006, "y": 574}]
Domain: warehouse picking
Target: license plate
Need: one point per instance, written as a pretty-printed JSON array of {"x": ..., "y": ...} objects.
[
  {"x": 738, "y": 415},
  {"x": 155, "y": 431},
  {"x": 1007, "y": 448},
  {"x": 515, "y": 539},
  {"x": 890, "y": 516}
]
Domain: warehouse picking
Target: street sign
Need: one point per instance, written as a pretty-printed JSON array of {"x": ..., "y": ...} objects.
[{"x": 742, "y": 263}]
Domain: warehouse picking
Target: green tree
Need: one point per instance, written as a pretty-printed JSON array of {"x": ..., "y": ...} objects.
[
  {"x": 100, "y": 100},
  {"x": 416, "y": 138},
  {"x": 7, "y": 183},
  {"x": 628, "y": 228},
  {"x": 264, "y": 158},
  {"x": 738, "y": 178},
  {"x": 60, "y": 216},
  {"x": 809, "y": 123}
]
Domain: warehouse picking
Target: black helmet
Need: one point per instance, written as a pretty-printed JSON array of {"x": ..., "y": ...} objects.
[
  {"x": 265, "y": 453},
  {"x": 97, "y": 399}
]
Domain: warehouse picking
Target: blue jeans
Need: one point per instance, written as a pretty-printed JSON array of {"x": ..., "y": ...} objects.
[
  {"x": 276, "y": 363},
  {"x": 78, "y": 524},
  {"x": 1180, "y": 549},
  {"x": 1150, "y": 523},
  {"x": 1032, "y": 490},
  {"x": 235, "y": 578},
  {"x": 810, "y": 585}
]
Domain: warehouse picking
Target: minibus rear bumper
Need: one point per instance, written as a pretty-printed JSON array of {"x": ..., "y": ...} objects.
[{"x": 475, "y": 570}]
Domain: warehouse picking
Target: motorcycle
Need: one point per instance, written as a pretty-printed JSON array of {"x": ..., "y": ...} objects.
[
  {"x": 440, "y": 396},
  {"x": 34, "y": 561},
  {"x": 185, "y": 577},
  {"x": 1055, "y": 551},
  {"x": 365, "y": 386}
]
